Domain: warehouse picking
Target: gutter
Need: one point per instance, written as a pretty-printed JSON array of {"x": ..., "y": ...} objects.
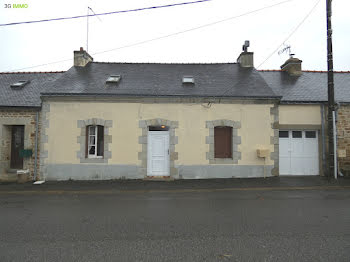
[{"x": 153, "y": 96}]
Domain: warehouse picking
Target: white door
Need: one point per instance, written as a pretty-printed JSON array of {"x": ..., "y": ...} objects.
[
  {"x": 158, "y": 153},
  {"x": 298, "y": 151}
]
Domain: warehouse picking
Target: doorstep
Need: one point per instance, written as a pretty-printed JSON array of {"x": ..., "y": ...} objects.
[{"x": 158, "y": 178}]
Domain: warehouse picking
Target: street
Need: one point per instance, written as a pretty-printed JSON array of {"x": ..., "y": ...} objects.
[{"x": 194, "y": 225}]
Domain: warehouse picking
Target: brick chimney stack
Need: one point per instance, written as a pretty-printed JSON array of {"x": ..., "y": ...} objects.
[{"x": 82, "y": 58}]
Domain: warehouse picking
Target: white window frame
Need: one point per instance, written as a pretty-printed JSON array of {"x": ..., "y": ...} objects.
[{"x": 95, "y": 144}]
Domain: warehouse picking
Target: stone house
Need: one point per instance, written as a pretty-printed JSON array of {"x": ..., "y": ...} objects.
[
  {"x": 20, "y": 107},
  {"x": 174, "y": 121},
  {"x": 159, "y": 121}
]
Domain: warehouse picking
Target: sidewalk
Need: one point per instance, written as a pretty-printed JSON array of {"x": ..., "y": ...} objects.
[{"x": 273, "y": 183}]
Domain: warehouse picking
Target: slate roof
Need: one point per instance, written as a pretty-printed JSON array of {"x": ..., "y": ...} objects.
[
  {"x": 311, "y": 86},
  {"x": 29, "y": 95},
  {"x": 150, "y": 79}
]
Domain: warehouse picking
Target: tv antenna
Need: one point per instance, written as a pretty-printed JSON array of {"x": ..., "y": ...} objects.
[
  {"x": 87, "y": 26},
  {"x": 286, "y": 49}
]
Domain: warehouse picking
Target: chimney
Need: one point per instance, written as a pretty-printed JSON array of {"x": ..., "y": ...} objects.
[
  {"x": 245, "y": 59},
  {"x": 81, "y": 58},
  {"x": 292, "y": 66}
]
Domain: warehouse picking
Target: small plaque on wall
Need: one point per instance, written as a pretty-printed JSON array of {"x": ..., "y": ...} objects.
[{"x": 341, "y": 153}]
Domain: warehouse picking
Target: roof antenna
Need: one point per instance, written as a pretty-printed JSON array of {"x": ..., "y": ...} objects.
[
  {"x": 87, "y": 26},
  {"x": 286, "y": 49}
]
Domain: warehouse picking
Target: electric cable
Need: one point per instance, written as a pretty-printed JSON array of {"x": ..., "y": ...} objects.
[
  {"x": 107, "y": 13},
  {"x": 290, "y": 35},
  {"x": 166, "y": 36}
]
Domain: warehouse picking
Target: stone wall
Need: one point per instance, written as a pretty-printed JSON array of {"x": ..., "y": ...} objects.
[
  {"x": 8, "y": 118},
  {"x": 343, "y": 132}
]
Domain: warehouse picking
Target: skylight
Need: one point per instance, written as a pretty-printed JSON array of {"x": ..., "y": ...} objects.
[
  {"x": 20, "y": 83},
  {"x": 113, "y": 79},
  {"x": 188, "y": 80}
]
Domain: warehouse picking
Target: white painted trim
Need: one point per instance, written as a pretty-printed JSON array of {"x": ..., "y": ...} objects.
[{"x": 166, "y": 151}]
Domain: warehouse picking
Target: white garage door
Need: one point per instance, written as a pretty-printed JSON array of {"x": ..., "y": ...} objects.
[{"x": 298, "y": 152}]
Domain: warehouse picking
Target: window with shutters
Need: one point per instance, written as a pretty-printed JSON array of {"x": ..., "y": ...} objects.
[
  {"x": 94, "y": 141},
  {"x": 223, "y": 142}
]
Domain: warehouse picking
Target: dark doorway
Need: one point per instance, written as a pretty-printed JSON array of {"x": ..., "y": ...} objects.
[
  {"x": 158, "y": 128},
  {"x": 17, "y": 144}
]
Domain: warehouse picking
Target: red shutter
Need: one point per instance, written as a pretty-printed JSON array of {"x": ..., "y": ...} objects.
[{"x": 223, "y": 142}]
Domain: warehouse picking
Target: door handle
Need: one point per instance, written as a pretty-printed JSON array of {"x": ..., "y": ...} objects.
[{"x": 168, "y": 152}]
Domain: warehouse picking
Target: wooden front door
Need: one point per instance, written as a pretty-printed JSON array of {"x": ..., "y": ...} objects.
[{"x": 17, "y": 144}]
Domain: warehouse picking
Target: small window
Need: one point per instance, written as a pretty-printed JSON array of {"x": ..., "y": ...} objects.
[
  {"x": 94, "y": 141},
  {"x": 113, "y": 79},
  {"x": 310, "y": 134},
  {"x": 284, "y": 134},
  {"x": 297, "y": 134},
  {"x": 188, "y": 80},
  {"x": 20, "y": 83},
  {"x": 223, "y": 142}
]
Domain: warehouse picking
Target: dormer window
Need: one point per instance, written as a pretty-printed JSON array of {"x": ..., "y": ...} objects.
[
  {"x": 20, "y": 84},
  {"x": 113, "y": 79},
  {"x": 188, "y": 80}
]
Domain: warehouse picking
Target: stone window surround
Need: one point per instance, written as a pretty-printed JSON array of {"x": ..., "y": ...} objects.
[
  {"x": 81, "y": 140},
  {"x": 274, "y": 140},
  {"x": 236, "y": 140},
  {"x": 173, "y": 140}
]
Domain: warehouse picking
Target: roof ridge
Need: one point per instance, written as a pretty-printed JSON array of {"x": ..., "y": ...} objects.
[
  {"x": 39, "y": 72},
  {"x": 167, "y": 63},
  {"x": 306, "y": 71}
]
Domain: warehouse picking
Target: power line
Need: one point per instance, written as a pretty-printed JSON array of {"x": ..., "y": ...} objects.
[
  {"x": 169, "y": 35},
  {"x": 290, "y": 35},
  {"x": 193, "y": 28},
  {"x": 107, "y": 13}
]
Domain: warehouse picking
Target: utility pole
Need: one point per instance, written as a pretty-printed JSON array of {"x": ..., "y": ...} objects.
[{"x": 331, "y": 102}]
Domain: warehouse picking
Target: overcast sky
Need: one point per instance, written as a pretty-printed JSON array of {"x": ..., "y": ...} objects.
[{"x": 27, "y": 45}]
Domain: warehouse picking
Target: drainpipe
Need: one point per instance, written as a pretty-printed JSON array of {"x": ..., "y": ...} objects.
[
  {"x": 335, "y": 145},
  {"x": 36, "y": 145},
  {"x": 323, "y": 139}
]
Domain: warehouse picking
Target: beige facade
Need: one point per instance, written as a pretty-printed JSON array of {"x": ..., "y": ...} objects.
[
  {"x": 62, "y": 132},
  {"x": 303, "y": 115}
]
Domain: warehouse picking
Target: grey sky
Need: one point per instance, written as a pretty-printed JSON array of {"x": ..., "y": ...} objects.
[{"x": 24, "y": 46}]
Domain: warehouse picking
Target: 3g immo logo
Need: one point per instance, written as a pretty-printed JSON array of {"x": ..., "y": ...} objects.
[{"x": 16, "y": 6}]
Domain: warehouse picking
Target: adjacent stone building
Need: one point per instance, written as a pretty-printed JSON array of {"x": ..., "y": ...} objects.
[{"x": 20, "y": 121}]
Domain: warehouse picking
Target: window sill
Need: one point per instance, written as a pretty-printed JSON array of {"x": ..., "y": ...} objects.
[
  {"x": 223, "y": 161},
  {"x": 94, "y": 160}
]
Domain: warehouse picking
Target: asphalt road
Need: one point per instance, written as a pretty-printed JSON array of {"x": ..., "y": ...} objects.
[{"x": 243, "y": 225}]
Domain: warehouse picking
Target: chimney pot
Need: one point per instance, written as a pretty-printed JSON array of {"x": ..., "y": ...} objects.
[{"x": 81, "y": 49}]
